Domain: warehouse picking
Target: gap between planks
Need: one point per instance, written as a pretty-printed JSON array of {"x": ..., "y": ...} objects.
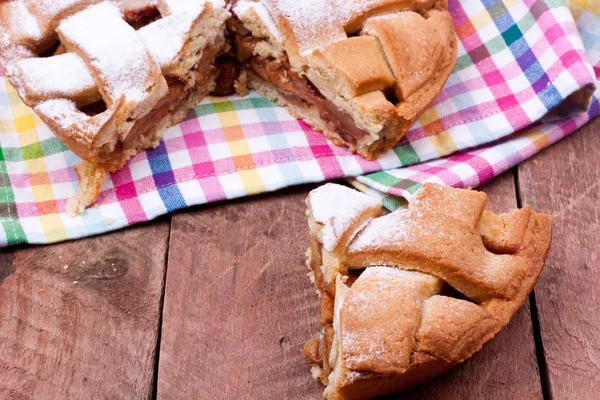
[
  {"x": 160, "y": 312},
  {"x": 535, "y": 320}
]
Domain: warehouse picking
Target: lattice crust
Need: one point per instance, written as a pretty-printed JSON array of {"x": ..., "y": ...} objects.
[
  {"x": 109, "y": 90},
  {"x": 132, "y": 72},
  {"x": 364, "y": 70},
  {"x": 408, "y": 295}
]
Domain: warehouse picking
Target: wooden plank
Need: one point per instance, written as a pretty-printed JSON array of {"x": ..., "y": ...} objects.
[
  {"x": 564, "y": 180},
  {"x": 239, "y": 306},
  {"x": 79, "y": 320}
]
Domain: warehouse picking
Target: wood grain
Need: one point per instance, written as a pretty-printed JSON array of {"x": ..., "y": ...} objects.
[
  {"x": 239, "y": 306},
  {"x": 564, "y": 180},
  {"x": 79, "y": 320}
]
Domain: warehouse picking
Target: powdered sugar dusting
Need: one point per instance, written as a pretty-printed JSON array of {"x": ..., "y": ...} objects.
[
  {"x": 126, "y": 5},
  {"x": 168, "y": 7},
  {"x": 166, "y": 37},
  {"x": 244, "y": 6},
  {"x": 380, "y": 315},
  {"x": 63, "y": 112},
  {"x": 217, "y": 3},
  {"x": 65, "y": 75},
  {"x": 348, "y": 9},
  {"x": 383, "y": 231},
  {"x": 55, "y": 6},
  {"x": 315, "y": 22},
  {"x": 19, "y": 21},
  {"x": 338, "y": 208},
  {"x": 115, "y": 51},
  {"x": 49, "y": 13}
]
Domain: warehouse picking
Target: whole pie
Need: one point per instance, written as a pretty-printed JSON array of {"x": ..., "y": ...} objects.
[
  {"x": 108, "y": 77},
  {"x": 409, "y": 295}
]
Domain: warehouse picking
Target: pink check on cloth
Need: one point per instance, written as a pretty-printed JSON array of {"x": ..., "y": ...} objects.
[{"x": 519, "y": 61}]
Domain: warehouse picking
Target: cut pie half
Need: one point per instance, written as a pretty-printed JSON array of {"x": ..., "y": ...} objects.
[
  {"x": 108, "y": 77},
  {"x": 409, "y": 295},
  {"x": 360, "y": 71}
]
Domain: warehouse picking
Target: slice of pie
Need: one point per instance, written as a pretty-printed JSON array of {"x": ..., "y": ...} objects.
[
  {"x": 409, "y": 295},
  {"x": 360, "y": 71},
  {"x": 108, "y": 77}
]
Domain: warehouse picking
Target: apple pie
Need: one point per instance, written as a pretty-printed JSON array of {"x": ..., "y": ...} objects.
[
  {"x": 109, "y": 76},
  {"x": 408, "y": 295}
]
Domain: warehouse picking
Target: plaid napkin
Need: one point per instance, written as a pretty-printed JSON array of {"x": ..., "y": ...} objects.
[{"x": 518, "y": 59}]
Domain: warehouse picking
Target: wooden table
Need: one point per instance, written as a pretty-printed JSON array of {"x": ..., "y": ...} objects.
[{"x": 214, "y": 302}]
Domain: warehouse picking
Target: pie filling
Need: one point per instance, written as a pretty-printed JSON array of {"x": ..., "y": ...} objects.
[
  {"x": 294, "y": 87},
  {"x": 138, "y": 18},
  {"x": 225, "y": 70}
]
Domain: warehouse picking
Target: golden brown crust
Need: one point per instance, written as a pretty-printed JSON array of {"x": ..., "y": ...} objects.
[
  {"x": 504, "y": 233},
  {"x": 332, "y": 229},
  {"x": 304, "y": 26},
  {"x": 356, "y": 12},
  {"x": 357, "y": 75},
  {"x": 410, "y": 109},
  {"x": 365, "y": 385},
  {"x": 411, "y": 46},
  {"x": 465, "y": 205},
  {"x": 532, "y": 253},
  {"x": 79, "y": 132},
  {"x": 90, "y": 179},
  {"x": 380, "y": 317},
  {"x": 438, "y": 244},
  {"x": 467, "y": 327},
  {"x": 396, "y": 325}
]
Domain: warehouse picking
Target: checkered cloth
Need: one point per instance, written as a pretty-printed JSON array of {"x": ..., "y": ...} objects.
[{"x": 517, "y": 60}]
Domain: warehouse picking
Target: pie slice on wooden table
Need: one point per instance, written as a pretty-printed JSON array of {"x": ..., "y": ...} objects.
[
  {"x": 108, "y": 77},
  {"x": 409, "y": 295}
]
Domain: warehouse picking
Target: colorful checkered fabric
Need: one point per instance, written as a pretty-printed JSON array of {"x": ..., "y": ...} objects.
[{"x": 518, "y": 59}]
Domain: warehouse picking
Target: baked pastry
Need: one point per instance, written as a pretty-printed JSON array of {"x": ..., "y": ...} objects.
[
  {"x": 360, "y": 71},
  {"x": 407, "y": 296},
  {"x": 108, "y": 77}
]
